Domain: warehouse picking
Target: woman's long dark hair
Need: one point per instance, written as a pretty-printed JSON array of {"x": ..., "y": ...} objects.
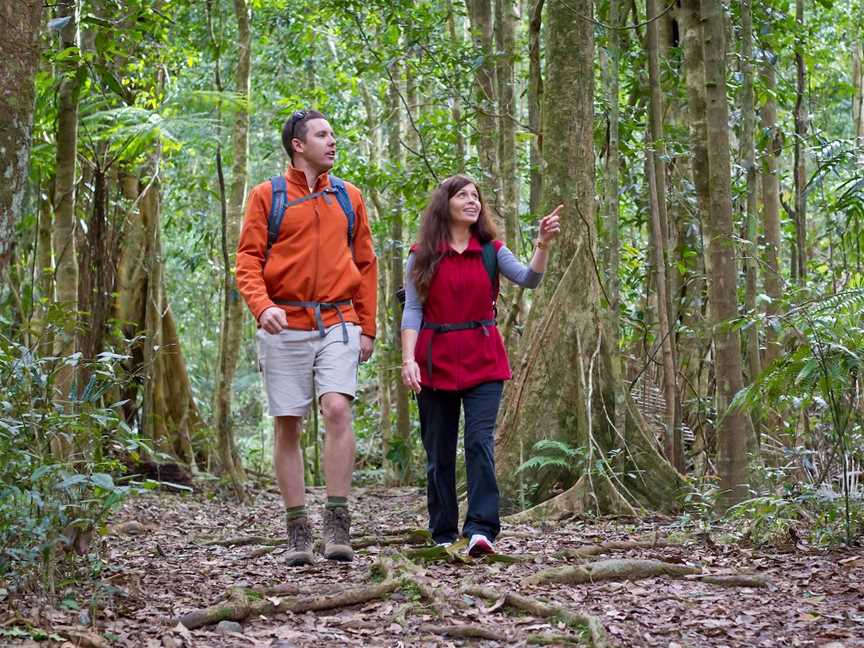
[{"x": 435, "y": 231}]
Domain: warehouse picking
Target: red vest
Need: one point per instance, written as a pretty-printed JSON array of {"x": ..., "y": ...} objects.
[{"x": 461, "y": 291}]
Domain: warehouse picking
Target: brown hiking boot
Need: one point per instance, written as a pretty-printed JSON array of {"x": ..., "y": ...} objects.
[
  {"x": 337, "y": 534},
  {"x": 299, "y": 542}
]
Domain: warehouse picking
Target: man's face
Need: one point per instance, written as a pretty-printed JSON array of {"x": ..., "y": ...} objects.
[{"x": 318, "y": 147}]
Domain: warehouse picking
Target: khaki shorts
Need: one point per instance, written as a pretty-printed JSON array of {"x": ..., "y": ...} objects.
[{"x": 292, "y": 360}]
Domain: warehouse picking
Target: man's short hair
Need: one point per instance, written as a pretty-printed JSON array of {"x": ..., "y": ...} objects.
[{"x": 296, "y": 126}]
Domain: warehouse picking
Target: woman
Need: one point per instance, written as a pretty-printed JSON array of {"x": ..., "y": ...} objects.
[{"x": 453, "y": 355}]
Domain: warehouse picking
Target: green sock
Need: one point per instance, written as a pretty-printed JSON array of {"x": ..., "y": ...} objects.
[
  {"x": 294, "y": 512},
  {"x": 336, "y": 502}
]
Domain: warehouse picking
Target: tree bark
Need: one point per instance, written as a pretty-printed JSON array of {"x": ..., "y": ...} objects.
[
  {"x": 748, "y": 161},
  {"x": 563, "y": 385},
  {"x": 233, "y": 309},
  {"x": 505, "y": 35},
  {"x": 401, "y": 470},
  {"x": 20, "y": 25},
  {"x": 800, "y": 163},
  {"x": 732, "y": 428},
  {"x": 771, "y": 278},
  {"x": 64, "y": 233},
  {"x": 858, "y": 95},
  {"x": 535, "y": 100},
  {"x": 480, "y": 15},
  {"x": 456, "y": 39}
]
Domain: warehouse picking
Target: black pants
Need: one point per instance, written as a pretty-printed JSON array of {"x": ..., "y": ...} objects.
[{"x": 439, "y": 426}]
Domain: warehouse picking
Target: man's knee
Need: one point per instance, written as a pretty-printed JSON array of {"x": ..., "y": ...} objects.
[
  {"x": 336, "y": 410},
  {"x": 288, "y": 430}
]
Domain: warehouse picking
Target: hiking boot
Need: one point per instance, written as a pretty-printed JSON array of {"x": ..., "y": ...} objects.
[
  {"x": 337, "y": 538},
  {"x": 299, "y": 542},
  {"x": 480, "y": 545}
]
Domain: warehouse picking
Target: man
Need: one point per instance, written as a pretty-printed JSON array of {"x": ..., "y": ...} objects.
[{"x": 310, "y": 283}]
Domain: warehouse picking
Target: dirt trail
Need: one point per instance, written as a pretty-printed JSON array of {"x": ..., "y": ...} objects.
[{"x": 159, "y": 567}]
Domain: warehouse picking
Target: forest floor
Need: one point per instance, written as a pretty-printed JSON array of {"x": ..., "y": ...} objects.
[{"x": 158, "y": 566}]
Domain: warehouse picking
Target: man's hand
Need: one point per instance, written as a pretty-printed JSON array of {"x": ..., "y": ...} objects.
[
  {"x": 273, "y": 320},
  {"x": 366, "y": 346}
]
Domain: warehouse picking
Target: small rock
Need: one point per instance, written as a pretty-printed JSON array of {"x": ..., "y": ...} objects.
[
  {"x": 84, "y": 618},
  {"x": 224, "y": 627}
]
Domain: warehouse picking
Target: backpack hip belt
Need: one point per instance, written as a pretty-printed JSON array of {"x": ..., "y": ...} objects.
[
  {"x": 447, "y": 328},
  {"x": 316, "y": 309}
]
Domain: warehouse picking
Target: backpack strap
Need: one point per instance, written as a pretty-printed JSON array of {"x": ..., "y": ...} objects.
[
  {"x": 279, "y": 204},
  {"x": 490, "y": 262},
  {"x": 279, "y": 187},
  {"x": 344, "y": 200}
]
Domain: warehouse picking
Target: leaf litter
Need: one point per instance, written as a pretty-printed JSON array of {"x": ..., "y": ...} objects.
[{"x": 158, "y": 565}]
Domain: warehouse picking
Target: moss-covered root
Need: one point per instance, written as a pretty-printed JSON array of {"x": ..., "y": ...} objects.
[
  {"x": 537, "y": 608},
  {"x": 734, "y": 580},
  {"x": 617, "y": 570},
  {"x": 243, "y": 603},
  {"x": 587, "y": 551}
]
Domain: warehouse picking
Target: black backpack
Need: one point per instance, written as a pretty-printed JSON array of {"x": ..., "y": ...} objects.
[{"x": 490, "y": 262}]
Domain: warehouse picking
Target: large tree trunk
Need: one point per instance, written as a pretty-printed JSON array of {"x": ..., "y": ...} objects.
[
  {"x": 455, "y": 29},
  {"x": 748, "y": 161},
  {"x": 732, "y": 429},
  {"x": 66, "y": 268},
  {"x": 233, "y": 309},
  {"x": 771, "y": 206},
  {"x": 563, "y": 388},
  {"x": 535, "y": 99},
  {"x": 20, "y": 24},
  {"x": 480, "y": 15},
  {"x": 169, "y": 416}
]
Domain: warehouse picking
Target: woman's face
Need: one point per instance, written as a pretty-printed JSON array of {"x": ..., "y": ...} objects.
[{"x": 465, "y": 206}]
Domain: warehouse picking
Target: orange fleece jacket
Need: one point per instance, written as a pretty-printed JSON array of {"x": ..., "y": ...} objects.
[{"x": 310, "y": 260}]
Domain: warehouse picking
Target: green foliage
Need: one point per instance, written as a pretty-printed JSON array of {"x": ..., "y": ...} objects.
[{"x": 48, "y": 505}]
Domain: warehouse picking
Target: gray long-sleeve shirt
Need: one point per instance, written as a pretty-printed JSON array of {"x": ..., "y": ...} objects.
[{"x": 508, "y": 265}]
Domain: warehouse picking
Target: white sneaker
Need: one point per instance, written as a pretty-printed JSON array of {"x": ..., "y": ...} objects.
[{"x": 480, "y": 545}]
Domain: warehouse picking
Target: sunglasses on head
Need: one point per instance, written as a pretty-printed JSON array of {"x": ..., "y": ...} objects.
[{"x": 296, "y": 118}]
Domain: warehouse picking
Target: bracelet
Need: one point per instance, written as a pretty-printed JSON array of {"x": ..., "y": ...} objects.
[
  {"x": 541, "y": 245},
  {"x": 405, "y": 362}
]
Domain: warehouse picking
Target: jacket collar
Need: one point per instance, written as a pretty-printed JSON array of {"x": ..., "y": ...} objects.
[{"x": 296, "y": 176}]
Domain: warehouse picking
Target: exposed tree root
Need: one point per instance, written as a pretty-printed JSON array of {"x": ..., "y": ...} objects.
[
  {"x": 621, "y": 569},
  {"x": 614, "y": 545},
  {"x": 465, "y": 631},
  {"x": 542, "y": 609},
  {"x": 243, "y": 603}
]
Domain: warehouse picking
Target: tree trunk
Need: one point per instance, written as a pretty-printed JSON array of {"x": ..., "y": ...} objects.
[
  {"x": 169, "y": 414},
  {"x": 386, "y": 371},
  {"x": 233, "y": 309},
  {"x": 505, "y": 35},
  {"x": 858, "y": 95},
  {"x": 800, "y": 164},
  {"x": 565, "y": 379},
  {"x": 66, "y": 268},
  {"x": 732, "y": 429},
  {"x": 480, "y": 15},
  {"x": 748, "y": 161},
  {"x": 398, "y": 457},
  {"x": 456, "y": 111},
  {"x": 771, "y": 206},
  {"x": 20, "y": 24},
  {"x": 535, "y": 100}
]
